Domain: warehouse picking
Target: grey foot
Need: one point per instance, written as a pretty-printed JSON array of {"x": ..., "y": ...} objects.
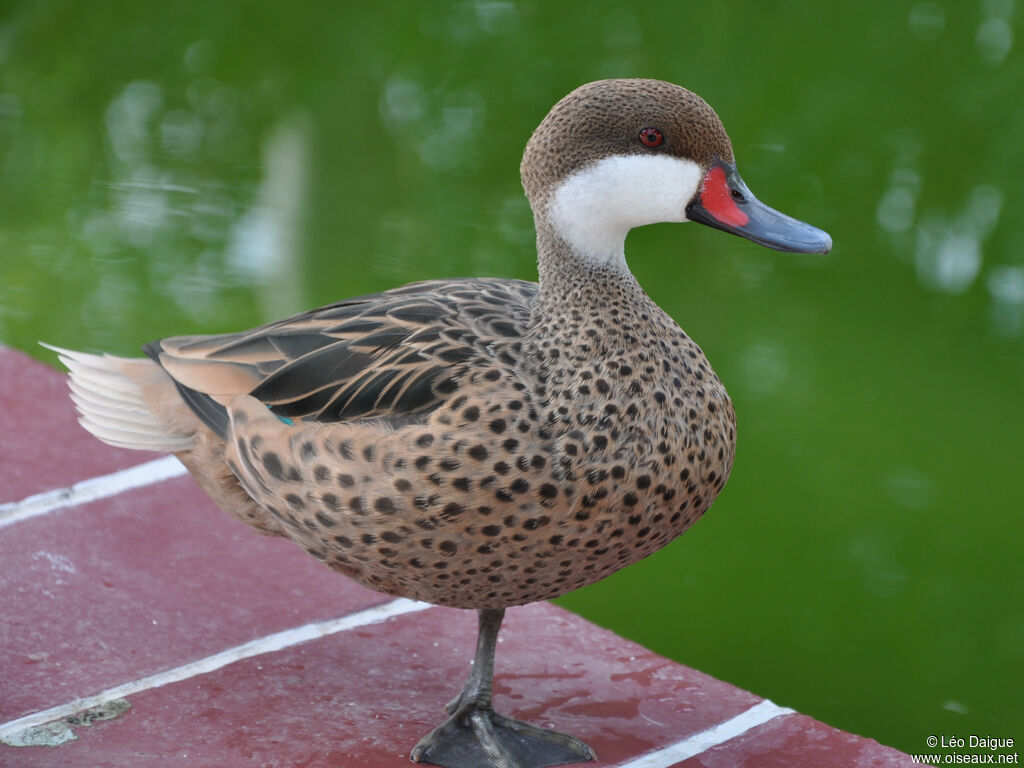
[{"x": 477, "y": 737}]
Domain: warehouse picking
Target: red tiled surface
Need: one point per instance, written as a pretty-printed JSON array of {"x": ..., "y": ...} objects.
[
  {"x": 161, "y": 561},
  {"x": 362, "y": 698},
  {"x": 101, "y": 594},
  {"x": 797, "y": 740}
]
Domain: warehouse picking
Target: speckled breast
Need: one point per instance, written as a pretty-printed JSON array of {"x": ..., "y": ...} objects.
[{"x": 515, "y": 494}]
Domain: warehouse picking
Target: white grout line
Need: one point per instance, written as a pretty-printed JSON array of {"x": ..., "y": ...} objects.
[
  {"x": 712, "y": 737},
  {"x": 92, "y": 489},
  {"x": 268, "y": 644}
]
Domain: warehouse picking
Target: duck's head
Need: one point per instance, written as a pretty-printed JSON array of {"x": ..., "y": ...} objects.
[{"x": 618, "y": 154}]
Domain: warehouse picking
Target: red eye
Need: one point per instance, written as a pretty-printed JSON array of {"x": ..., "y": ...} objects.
[{"x": 651, "y": 137}]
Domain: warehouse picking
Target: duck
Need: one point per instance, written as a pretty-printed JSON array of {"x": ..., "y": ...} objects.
[{"x": 479, "y": 443}]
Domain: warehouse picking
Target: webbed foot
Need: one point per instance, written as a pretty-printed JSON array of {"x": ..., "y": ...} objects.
[{"x": 478, "y": 737}]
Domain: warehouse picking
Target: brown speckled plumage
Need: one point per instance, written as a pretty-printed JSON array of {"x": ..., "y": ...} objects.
[
  {"x": 477, "y": 443},
  {"x": 572, "y": 443}
]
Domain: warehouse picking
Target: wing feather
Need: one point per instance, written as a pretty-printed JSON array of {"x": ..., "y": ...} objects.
[{"x": 388, "y": 355}]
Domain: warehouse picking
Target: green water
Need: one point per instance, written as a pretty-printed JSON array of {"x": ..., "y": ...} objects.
[{"x": 171, "y": 168}]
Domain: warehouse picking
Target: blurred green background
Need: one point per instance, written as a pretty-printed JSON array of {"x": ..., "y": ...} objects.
[{"x": 187, "y": 167}]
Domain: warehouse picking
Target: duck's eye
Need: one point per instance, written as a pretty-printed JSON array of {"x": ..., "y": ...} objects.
[
  {"x": 651, "y": 137},
  {"x": 738, "y": 196}
]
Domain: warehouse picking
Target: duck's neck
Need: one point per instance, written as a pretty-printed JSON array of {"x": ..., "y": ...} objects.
[
  {"x": 586, "y": 302},
  {"x": 570, "y": 276}
]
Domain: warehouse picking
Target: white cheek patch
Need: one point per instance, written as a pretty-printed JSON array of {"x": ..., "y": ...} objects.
[{"x": 595, "y": 208}]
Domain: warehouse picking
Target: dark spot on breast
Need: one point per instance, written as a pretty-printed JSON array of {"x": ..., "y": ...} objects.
[
  {"x": 491, "y": 530},
  {"x": 324, "y": 520},
  {"x": 424, "y": 440},
  {"x": 346, "y": 480},
  {"x": 471, "y": 414},
  {"x": 644, "y": 481},
  {"x": 344, "y": 541},
  {"x": 391, "y": 537},
  {"x": 402, "y": 485},
  {"x": 447, "y": 547},
  {"x": 497, "y": 426},
  {"x": 384, "y": 505},
  {"x": 272, "y": 464},
  {"x": 520, "y": 486},
  {"x": 452, "y": 510},
  {"x": 548, "y": 491},
  {"x": 368, "y": 538},
  {"x": 295, "y": 502},
  {"x": 478, "y": 452},
  {"x": 331, "y": 501}
]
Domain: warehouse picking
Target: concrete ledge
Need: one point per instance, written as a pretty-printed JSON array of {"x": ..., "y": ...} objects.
[{"x": 141, "y": 626}]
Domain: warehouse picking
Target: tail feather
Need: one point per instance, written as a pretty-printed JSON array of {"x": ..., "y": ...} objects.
[
  {"x": 110, "y": 397},
  {"x": 85, "y": 399}
]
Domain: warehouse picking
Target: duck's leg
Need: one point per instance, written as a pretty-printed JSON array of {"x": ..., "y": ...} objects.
[{"x": 475, "y": 736}]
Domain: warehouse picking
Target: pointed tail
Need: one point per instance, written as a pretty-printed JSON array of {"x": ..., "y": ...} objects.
[{"x": 110, "y": 394}]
